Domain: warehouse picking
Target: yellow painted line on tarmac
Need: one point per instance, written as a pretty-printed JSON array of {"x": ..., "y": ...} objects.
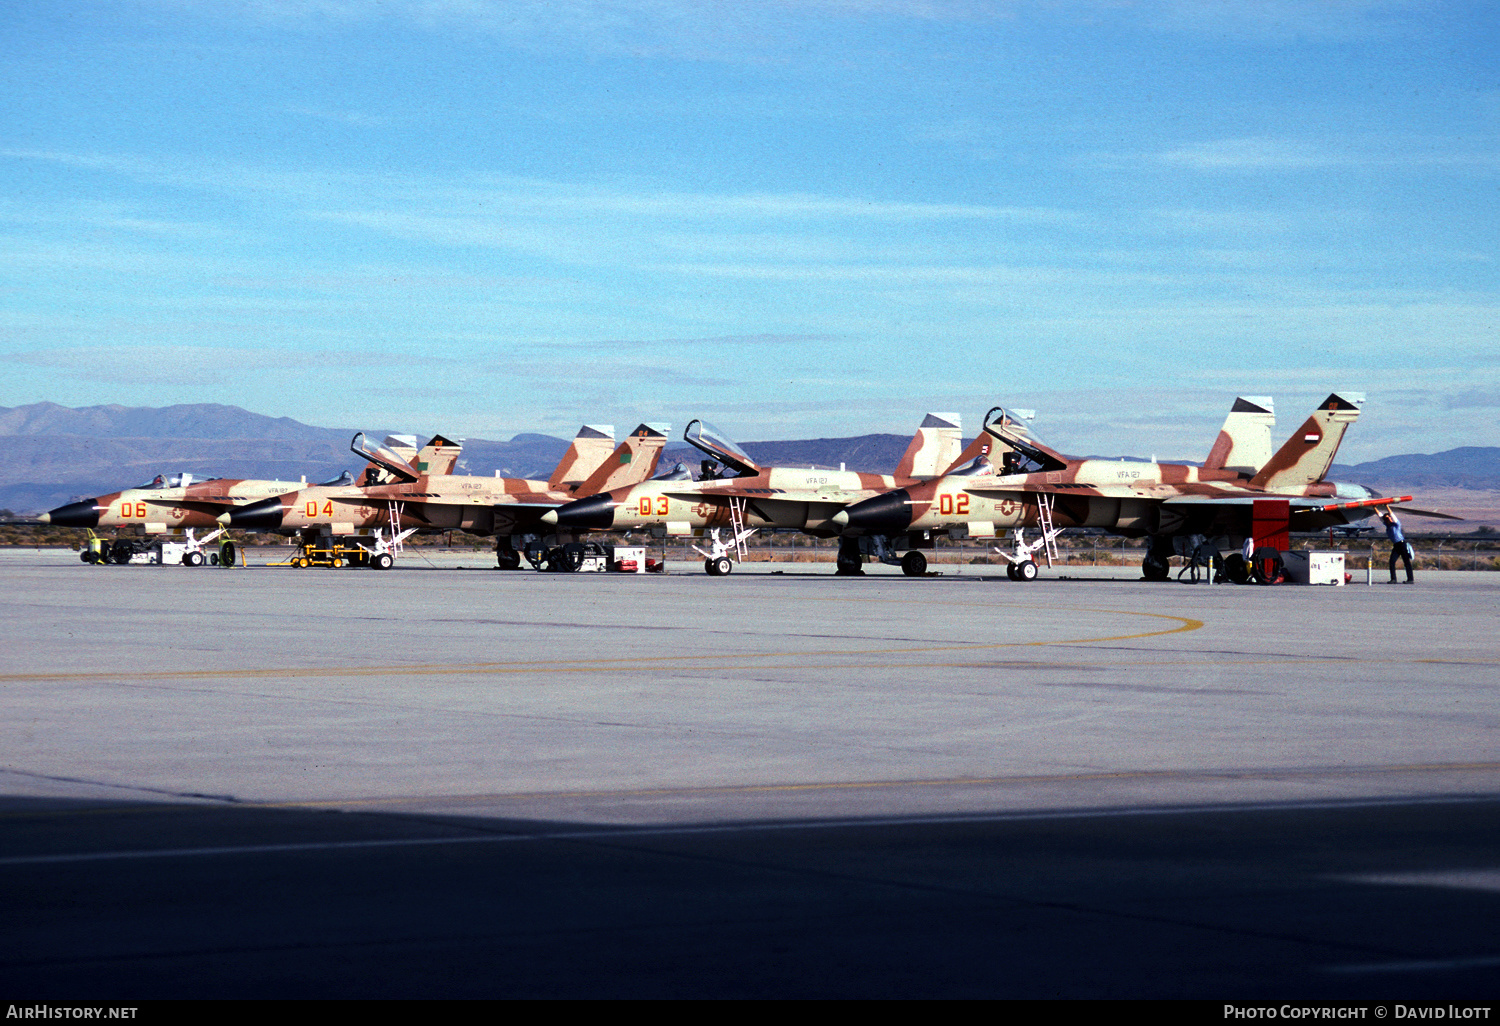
[{"x": 595, "y": 665}]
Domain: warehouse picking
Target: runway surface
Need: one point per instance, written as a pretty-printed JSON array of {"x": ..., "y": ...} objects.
[{"x": 444, "y": 780}]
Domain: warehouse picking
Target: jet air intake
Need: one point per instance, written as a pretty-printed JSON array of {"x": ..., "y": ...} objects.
[
  {"x": 889, "y": 513},
  {"x": 597, "y": 512},
  {"x": 264, "y": 515}
]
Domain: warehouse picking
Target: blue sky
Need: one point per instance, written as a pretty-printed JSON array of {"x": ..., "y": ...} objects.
[{"x": 791, "y": 219}]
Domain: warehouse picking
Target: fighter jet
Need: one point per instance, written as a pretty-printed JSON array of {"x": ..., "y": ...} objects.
[
  {"x": 1234, "y": 496},
  {"x": 179, "y": 503},
  {"x": 736, "y": 493},
  {"x": 402, "y": 496}
]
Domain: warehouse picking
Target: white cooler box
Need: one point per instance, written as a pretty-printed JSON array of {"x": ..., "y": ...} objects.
[{"x": 1314, "y": 567}]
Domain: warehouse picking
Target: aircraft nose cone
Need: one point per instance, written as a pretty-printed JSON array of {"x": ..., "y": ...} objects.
[
  {"x": 596, "y": 512},
  {"x": 264, "y": 515},
  {"x": 74, "y": 514},
  {"x": 884, "y": 514}
]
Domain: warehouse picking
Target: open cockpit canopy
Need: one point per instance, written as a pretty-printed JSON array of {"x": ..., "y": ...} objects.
[
  {"x": 709, "y": 439},
  {"x": 383, "y": 456},
  {"x": 1019, "y": 452}
]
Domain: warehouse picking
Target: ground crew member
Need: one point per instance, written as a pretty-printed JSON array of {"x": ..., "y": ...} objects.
[{"x": 1400, "y": 548}]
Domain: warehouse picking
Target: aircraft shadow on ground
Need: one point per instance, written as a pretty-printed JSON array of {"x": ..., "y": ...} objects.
[{"x": 125, "y": 900}]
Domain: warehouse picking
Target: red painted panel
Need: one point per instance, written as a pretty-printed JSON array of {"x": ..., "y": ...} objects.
[{"x": 1271, "y": 523}]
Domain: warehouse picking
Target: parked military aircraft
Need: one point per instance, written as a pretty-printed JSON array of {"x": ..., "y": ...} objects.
[
  {"x": 178, "y": 502},
  {"x": 1038, "y": 488},
  {"x": 734, "y": 492},
  {"x": 170, "y": 502},
  {"x": 404, "y": 497}
]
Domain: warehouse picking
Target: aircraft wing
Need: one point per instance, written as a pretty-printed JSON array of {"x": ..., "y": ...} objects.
[
  {"x": 1433, "y": 514},
  {"x": 1306, "y": 504},
  {"x": 1000, "y": 488},
  {"x": 720, "y": 496},
  {"x": 787, "y": 507}
]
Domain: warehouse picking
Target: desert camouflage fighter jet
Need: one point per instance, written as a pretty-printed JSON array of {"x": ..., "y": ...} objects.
[
  {"x": 178, "y": 502},
  {"x": 737, "y": 494},
  {"x": 408, "y": 498},
  {"x": 1021, "y": 484}
]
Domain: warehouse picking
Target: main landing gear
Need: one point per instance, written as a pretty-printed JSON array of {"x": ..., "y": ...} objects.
[
  {"x": 850, "y": 561},
  {"x": 506, "y": 556},
  {"x": 852, "y": 552},
  {"x": 1155, "y": 567}
]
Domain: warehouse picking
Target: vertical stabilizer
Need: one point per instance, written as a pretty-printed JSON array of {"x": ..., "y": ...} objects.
[
  {"x": 1244, "y": 442},
  {"x": 633, "y": 462},
  {"x": 933, "y": 449},
  {"x": 438, "y": 456},
  {"x": 591, "y": 447},
  {"x": 404, "y": 446},
  {"x": 1308, "y": 454}
]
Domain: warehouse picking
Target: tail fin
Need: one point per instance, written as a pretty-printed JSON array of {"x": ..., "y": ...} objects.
[
  {"x": 404, "y": 446},
  {"x": 437, "y": 456},
  {"x": 591, "y": 447},
  {"x": 633, "y": 462},
  {"x": 1244, "y": 442},
  {"x": 1308, "y": 454},
  {"x": 934, "y": 447}
]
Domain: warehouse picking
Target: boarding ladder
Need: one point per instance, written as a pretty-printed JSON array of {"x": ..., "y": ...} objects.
[
  {"x": 398, "y": 537},
  {"x": 1044, "y": 503},
  {"x": 737, "y": 525}
]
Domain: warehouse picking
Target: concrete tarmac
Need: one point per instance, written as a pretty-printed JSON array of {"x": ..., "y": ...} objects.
[{"x": 447, "y": 780}]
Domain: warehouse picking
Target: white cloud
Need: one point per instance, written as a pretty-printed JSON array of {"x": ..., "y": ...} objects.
[{"x": 1270, "y": 154}]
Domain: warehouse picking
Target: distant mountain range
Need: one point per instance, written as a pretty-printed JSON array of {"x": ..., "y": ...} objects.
[{"x": 58, "y": 454}]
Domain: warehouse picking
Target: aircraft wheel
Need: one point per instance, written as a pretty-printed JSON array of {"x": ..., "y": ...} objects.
[
  {"x": 709, "y": 568},
  {"x": 850, "y": 565},
  {"x": 382, "y": 561},
  {"x": 914, "y": 564},
  {"x": 507, "y": 559},
  {"x": 192, "y": 559},
  {"x": 1026, "y": 571},
  {"x": 1155, "y": 569},
  {"x": 1010, "y": 571},
  {"x": 722, "y": 566}
]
